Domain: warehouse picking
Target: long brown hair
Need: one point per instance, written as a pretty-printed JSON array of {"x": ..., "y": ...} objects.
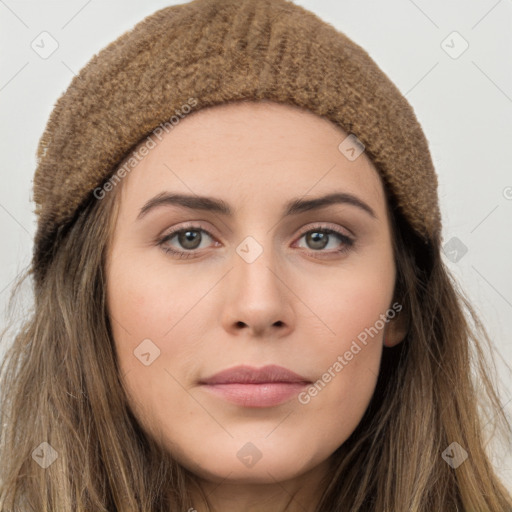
[{"x": 60, "y": 384}]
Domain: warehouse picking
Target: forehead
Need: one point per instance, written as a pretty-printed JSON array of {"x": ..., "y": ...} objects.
[{"x": 253, "y": 151}]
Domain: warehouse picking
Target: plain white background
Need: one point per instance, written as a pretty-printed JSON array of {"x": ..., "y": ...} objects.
[{"x": 452, "y": 61}]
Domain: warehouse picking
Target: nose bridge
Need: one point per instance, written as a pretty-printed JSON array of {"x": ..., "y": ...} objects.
[
  {"x": 255, "y": 294},
  {"x": 256, "y": 262}
]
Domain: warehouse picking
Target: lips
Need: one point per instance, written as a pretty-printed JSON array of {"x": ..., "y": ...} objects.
[
  {"x": 255, "y": 387},
  {"x": 249, "y": 375}
]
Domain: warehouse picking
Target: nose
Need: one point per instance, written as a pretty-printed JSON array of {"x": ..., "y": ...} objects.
[{"x": 258, "y": 299}]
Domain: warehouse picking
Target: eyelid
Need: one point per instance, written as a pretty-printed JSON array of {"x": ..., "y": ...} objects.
[
  {"x": 187, "y": 225},
  {"x": 305, "y": 229},
  {"x": 326, "y": 225}
]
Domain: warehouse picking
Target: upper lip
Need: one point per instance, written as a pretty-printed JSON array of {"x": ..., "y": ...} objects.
[{"x": 249, "y": 375}]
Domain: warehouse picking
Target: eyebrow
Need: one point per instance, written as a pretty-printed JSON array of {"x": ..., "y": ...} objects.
[{"x": 211, "y": 204}]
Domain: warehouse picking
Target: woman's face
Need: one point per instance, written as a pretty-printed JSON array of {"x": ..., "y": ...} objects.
[{"x": 277, "y": 280}]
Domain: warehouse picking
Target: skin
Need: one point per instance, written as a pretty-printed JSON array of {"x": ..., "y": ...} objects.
[{"x": 297, "y": 305}]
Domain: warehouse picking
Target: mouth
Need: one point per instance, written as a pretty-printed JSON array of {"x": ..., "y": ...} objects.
[{"x": 252, "y": 387}]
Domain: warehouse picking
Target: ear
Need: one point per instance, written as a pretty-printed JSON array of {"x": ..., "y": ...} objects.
[{"x": 396, "y": 329}]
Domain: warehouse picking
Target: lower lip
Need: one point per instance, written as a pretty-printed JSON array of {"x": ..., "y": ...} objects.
[{"x": 267, "y": 394}]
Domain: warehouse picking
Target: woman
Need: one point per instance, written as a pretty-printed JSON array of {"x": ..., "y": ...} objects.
[{"x": 240, "y": 301}]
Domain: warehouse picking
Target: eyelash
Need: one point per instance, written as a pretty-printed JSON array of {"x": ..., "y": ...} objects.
[{"x": 347, "y": 241}]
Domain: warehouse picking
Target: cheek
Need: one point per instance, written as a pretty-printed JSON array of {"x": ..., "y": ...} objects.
[
  {"x": 143, "y": 301},
  {"x": 347, "y": 345},
  {"x": 145, "y": 311},
  {"x": 349, "y": 304}
]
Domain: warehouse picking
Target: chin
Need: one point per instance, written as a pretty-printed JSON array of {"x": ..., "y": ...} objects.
[{"x": 253, "y": 461}]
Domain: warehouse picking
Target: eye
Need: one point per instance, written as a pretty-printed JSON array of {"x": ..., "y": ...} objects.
[
  {"x": 320, "y": 237},
  {"x": 189, "y": 238}
]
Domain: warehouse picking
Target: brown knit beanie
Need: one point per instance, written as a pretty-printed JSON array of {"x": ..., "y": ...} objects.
[{"x": 208, "y": 52}]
